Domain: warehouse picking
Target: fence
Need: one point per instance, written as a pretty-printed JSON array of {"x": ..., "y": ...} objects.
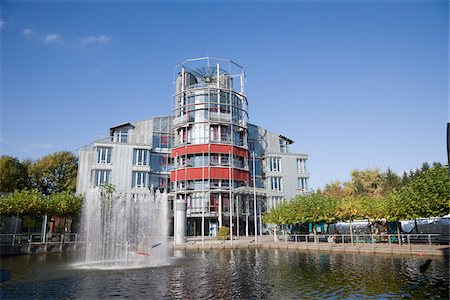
[
  {"x": 31, "y": 242},
  {"x": 391, "y": 239}
]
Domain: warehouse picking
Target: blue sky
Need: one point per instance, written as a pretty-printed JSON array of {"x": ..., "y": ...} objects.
[{"x": 356, "y": 84}]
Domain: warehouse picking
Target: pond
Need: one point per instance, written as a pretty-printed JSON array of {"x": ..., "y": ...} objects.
[{"x": 232, "y": 274}]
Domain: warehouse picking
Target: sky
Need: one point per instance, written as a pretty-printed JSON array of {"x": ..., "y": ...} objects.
[{"x": 356, "y": 84}]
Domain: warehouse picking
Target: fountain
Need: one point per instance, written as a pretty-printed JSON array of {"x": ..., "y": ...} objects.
[{"x": 123, "y": 230}]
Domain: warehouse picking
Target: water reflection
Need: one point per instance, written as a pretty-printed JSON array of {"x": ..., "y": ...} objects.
[{"x": 232, "y": 274}]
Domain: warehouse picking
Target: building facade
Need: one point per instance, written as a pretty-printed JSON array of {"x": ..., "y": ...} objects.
[{"x": 206, "y": 155}]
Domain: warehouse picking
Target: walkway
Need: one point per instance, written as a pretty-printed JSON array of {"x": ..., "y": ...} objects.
[{"x": 268, "y": 243}]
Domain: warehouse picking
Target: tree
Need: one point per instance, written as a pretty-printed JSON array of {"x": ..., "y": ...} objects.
[
  {"x": 428, "y": 195},
  {"x": 315, "y": 208},
  {"x": 55, "y": 173},
  {"x": 32, "y": 202},
  {"x": 279, "y": 215},
  {"x": 336, "y": 189},
  {"x": 365, "y": 182},
  {"x": 390, "y": 181},
  {"x": 65, "y": 204},
  {"x": 396, "y": 209},
  {"x": 24, "y": 202},
  {"x": 349, "y": 209},
  {"x": 13, "y": 174}
]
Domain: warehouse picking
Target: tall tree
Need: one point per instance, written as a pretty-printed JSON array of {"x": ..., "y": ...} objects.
[
  {"x": 428, "y": 195},
  {"x": 13, "y": 174},
  {"x": 365, "y": 182},
  {"x": 55, "y": 173},
  {"x": 390, "y": 181},
  {"x": 336, "y": 189}
]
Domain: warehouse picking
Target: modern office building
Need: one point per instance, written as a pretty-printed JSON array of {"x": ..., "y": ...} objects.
[{"x": 203, "y": 155}]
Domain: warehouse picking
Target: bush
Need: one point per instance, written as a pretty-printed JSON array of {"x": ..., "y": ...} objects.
[{"x": 223, "y": 233}]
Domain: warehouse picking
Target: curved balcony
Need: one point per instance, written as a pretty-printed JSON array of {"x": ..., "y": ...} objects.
[
  {"x": 210, "y": 148},
  {"x": 209, "y": 173}
]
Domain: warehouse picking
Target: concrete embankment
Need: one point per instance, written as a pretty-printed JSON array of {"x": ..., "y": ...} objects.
[{"x": 412, "y": 249}]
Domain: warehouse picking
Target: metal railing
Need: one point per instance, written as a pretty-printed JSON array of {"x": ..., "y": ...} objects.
[
  {"x": 391, "y": 239},
  {"x": 38, "y": 239}
]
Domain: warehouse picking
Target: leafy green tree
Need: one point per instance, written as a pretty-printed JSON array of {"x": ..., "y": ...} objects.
[
  {"x": 365, "y": 182},
  {"x": 65, "y": 204},
  {"x": 13, "y": 174},
  {"x": 349, "y": 209},
  {"x": 279, "y": 215},
  {"x": 390, "y": 181},
  {"x": 315, "y": 208},
  {"x": 24, "y": 202},
  {"x": 55, "y": 173},
  {"x": 336, "y": 189},
  {"x": 428, "y": 195},
  {"x": 396, "y": 209}
]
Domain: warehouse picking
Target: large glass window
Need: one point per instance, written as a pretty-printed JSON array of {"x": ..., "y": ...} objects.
[
  {"x": 258, "y": 166},
  {"x": 276, "y": 184},
  {"x": 276, "y": 200},
  {"x": 121, "y": 136},
  {"x": 103, "y": 155},
  {"x": 303, "y": 184},
  {"x": 225, "y": 134},
  {"x": 284, "y": 146},
  {"x": 101, "y": 177},
  {"x": 275, "y": 164},
  {"x": 224, "y": 159},
  {"x": 158, "y": 182},
  {"x": 140, "y": 157},
  {"x": 139, "y": 179},
  {"x": 214, "y": 133},
  {"x": 301, "y": 165},
  {"x": 164, "y": 141},
  {"x": 160, "y": 140}
]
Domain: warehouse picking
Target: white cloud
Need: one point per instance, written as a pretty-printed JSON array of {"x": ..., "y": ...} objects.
[
  {"x": 27, "y": 32},
  {"x": 2, "y": 23},
  {"x": 51, "y": 38},
  {"x": 93, "y": 40}
]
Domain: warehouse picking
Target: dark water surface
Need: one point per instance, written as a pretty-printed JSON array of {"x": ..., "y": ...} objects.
[{"x": 232, "y": 274}]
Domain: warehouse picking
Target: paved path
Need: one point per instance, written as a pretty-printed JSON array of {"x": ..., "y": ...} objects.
[{"x": 414, "y": 249}]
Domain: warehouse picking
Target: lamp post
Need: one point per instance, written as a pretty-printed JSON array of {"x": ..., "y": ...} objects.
[{"x": 254, "y": 199}]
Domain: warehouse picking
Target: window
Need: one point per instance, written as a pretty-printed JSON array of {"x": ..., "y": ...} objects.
[
  {"x": 101, "y": 177},
  {"x": 214, "y": 159},
  {"x": 251, "y": 146},
  {"x": 160, "y": 140},
  {"x": 121, "y": 136},
  {"x": 163, "y": 161},
  {"x": 276, "y": 184},
  {"x": 275, "y": 164},
  {"x": 214, "y": 202},
  {"x": 139, "y": 179},
  {"x": 276, "y": 200},
  {"x": 224, "y": 159},
  {"x": 103, "y": 155},
  {"x": 301, "y": 165},
  {"x": 164, "y": 141},
  {"x": 140, "y": 157},
  {"x": 284, "y": 146},
  {"x": 214, "y": 133},
  {"x": 224, "y": 133},
  {"x": 303, "y": 184}
]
